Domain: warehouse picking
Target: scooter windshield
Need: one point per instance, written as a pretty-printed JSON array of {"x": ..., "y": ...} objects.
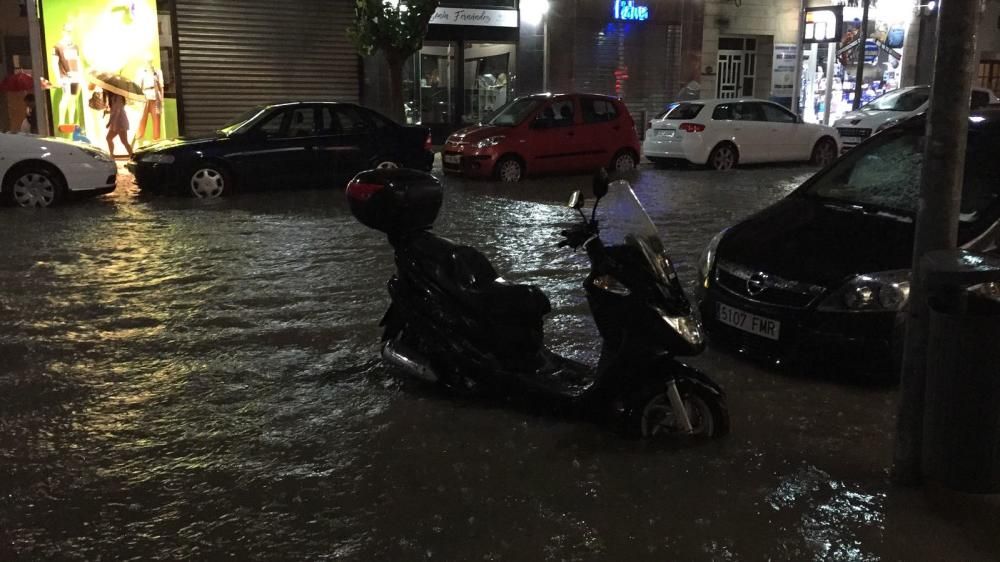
[{"x": 625, "y": 222}]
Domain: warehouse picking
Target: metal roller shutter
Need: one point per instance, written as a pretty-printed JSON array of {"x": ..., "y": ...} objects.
[{"x": 233, "y": 54}]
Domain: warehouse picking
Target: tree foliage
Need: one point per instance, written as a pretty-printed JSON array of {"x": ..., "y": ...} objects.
[{"x": 395, "y": 28}]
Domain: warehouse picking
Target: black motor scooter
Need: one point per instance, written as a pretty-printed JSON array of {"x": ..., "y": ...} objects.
[{"x": 454, "y": 321}]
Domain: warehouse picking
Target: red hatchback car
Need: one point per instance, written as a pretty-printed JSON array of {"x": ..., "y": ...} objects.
[{"x": 546, "y": 133}]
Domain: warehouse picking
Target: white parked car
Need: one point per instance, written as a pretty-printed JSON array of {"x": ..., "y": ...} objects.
[
  {"x": 722, "y": 133},
  {"x": 41, "y": 171},
  {"x": 891, "y": 108}
]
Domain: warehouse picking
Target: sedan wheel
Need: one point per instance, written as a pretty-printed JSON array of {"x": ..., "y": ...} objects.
[
  {"x": 509, "y": 170},
  {"x": 35, "y": 188},
  {"x": 208, "y": 183},
  {"x": 824, "y": 153},
  {"x": 624, "y": 162},
  {"x": 723, "y": 157}
]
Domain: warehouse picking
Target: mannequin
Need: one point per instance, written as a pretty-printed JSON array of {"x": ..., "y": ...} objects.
[
  {"x": 150, "y": 79},
  {"x": 66, "y": 59}
]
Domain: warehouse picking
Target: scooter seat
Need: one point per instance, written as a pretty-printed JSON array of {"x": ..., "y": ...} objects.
[{"x": 470, "y": 277}]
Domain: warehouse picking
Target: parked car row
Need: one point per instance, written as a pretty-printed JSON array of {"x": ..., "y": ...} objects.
[{"x": 324, "y": 143}]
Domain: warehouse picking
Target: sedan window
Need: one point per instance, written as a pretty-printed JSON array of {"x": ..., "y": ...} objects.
[
  {"x": 748, "y": 112},
  {"x": 303, "y": 122},
  {"x": 350, "y": 120},
  {"x": 685, "y": 111},
  {"x": 272, "y": 125},
  {"x": 776, "y": 114}
]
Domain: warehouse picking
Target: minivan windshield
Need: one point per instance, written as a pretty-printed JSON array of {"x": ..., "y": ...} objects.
[
  {"x": 515, "y": 112},
  {"x": 885, "y": 174},
  {"x": 900, "y": 100}
]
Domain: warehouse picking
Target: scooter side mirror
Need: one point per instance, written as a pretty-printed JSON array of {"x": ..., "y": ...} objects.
[
  {"x": 576, "y": 200},
  {"x": 600, "y": 183}
]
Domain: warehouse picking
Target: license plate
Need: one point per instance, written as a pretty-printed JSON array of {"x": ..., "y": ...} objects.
[
  {"x": 664, "y": 133},
  {"x": 751, "y": 323},
  {"x": 452, "y": 158}
]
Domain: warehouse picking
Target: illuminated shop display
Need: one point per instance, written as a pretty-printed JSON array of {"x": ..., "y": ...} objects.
[
  {"x": 104, "y": 67},
  {"x": 882, "y": 52}
]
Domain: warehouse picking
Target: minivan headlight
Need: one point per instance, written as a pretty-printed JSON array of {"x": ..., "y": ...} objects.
[
  {"x": 707, "y": 260},
  {"x": 490, "y": 141},
  {"x": 874, "y": 292}
]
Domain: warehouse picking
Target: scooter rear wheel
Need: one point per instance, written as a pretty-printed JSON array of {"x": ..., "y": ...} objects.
[{"x": 650, "y": 415}]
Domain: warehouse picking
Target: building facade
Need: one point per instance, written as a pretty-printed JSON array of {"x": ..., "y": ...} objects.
[{"x": 15, "y": 56}]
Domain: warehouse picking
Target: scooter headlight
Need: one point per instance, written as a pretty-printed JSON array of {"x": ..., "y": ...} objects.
[
  {"x": 611, "y": 285},
  {"x": 687, "y": 326}
]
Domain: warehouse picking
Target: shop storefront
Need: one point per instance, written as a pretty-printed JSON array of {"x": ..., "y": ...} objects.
[
  {"x": 645, "y": 51},
  {"x": 467, "y": 69},
  {"x": 104, "y": 77},
  {"x": 835, "y": 50}
]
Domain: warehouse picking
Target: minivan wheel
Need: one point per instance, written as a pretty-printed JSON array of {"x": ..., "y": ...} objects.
[
  {"x": 824, "y": 153},
  {"x": 509, "y": 169},
  {"x": 624, "y": 161},
  {"x": 723, "y": 157}
]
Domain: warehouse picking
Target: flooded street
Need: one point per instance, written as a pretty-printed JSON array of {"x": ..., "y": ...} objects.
[{"x": 190, "y": 380}]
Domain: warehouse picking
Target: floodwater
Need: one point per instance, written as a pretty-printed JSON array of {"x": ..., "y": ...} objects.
[{"x": 188, "y": 380}]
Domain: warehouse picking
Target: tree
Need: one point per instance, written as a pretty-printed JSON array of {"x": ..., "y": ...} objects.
[{"x": 396, "y": 28}]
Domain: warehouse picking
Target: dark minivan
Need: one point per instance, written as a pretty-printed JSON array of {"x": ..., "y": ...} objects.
[{"x": 824, "y": 273}]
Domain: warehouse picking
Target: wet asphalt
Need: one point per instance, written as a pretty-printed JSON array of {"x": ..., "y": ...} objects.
[{"x": 198, "y": 380}]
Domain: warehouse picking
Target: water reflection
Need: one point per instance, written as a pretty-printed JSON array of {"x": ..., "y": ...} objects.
[{"x": 196, "y": 380}]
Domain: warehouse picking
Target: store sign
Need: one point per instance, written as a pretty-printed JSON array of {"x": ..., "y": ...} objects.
[
  {"x": 823, "y": 25},
  {"x": 783, "y": 70},
  {"x": 627, "y": 10},
  {"x": 481, "y": 17}
]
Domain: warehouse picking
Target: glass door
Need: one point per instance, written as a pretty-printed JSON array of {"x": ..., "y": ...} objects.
[
  {"x": 429, "y": 85},
  {"x": 488, "y": 75}
]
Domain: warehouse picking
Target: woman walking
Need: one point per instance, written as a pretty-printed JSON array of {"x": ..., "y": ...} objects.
[{"x": 117, "y": 122}]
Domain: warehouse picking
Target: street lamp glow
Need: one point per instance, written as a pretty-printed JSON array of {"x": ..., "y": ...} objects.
[{"x": 532, "y": 11}]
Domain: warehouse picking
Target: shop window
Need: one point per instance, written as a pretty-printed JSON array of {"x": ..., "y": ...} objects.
[
  {"x": 989, "y": 75},
  {"x": 597, "y": 110}
]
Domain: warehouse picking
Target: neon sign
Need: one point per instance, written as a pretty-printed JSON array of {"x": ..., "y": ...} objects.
[{"x": 626, "y": 10}]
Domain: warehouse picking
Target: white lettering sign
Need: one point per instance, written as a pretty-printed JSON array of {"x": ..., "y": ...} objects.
[{"x": 472, "y": 16}]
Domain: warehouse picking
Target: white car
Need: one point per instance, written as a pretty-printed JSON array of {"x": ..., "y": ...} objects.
[
  {"x": 41, "y": 171},
  {"x": 891, "y": 108},
  {"x": 722, "y": 133}
]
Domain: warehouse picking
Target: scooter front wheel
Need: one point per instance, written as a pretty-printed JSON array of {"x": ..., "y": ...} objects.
[{"x": 650, "y": 412}]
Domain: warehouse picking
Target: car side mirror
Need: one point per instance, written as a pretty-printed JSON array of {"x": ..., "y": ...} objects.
[
  {"x": 600, "y": 183},
  {"x": 576, "y": 200}
]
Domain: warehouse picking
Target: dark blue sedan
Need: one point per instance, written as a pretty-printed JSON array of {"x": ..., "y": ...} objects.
[{"x": 285, "y": 145}]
